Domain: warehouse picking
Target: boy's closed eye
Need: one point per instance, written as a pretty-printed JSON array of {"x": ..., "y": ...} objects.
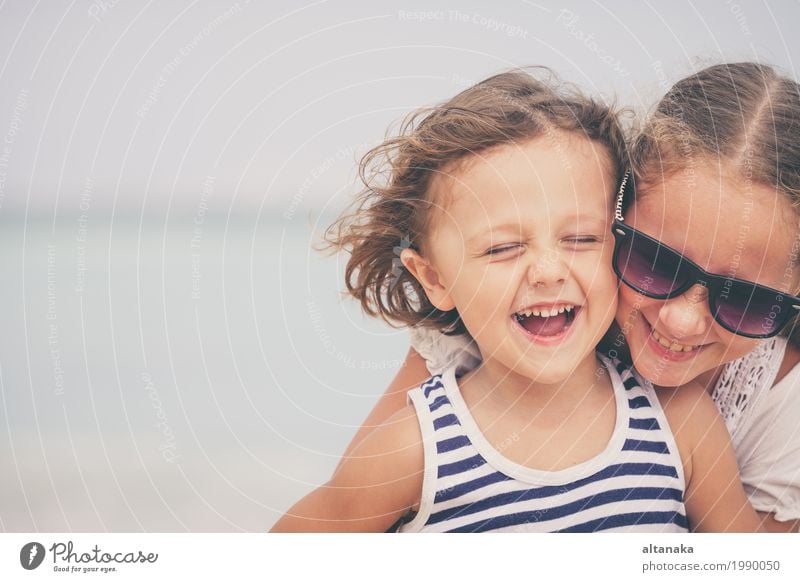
[
  {"x": 504, "y": 249},
  {"x": 583, "y": 239}
]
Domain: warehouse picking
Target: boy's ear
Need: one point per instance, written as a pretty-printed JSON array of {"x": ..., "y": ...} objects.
[{"x": 429, "y": 278}]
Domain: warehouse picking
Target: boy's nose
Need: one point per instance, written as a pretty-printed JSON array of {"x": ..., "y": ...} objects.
[
  {"x": 547, "y": 269},
  {"x": 686, "y": 315}
]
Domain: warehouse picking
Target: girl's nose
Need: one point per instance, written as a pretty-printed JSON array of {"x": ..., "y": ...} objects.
[
  {"x": 547, "y": 269},
  {"x": 687, "y": 315}
]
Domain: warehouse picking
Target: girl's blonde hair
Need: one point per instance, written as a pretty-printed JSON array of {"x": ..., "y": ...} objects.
[
  {"x": 743, "y": 116},
  {"x": 393, "y": 210}
]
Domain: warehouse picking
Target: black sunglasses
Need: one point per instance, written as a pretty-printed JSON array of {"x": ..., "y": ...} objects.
[{"x": 655, "y": 270}]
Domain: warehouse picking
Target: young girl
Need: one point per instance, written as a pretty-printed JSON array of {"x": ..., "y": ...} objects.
[
  {"x": 718, "y": 182},
  {"x": 505, "y": 194}
]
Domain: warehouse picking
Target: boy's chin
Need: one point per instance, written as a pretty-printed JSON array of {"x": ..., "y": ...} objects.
[{"x": 550, "y": 371}]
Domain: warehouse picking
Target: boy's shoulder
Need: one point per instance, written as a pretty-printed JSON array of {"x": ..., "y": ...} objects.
[
  {"x": 692, "y": 416},
  {"x": 389, "y": 462},
  {"x": 690, "y": 401},
  {"x": 403, "y": 423},
  {"x": 433, "y": 382}
]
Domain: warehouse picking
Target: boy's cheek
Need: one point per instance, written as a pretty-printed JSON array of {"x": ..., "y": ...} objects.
[{"x": 604, "y": 290}]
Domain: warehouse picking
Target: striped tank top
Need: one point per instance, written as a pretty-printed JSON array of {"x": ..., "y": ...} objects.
[{"x": 635, "y": 484}]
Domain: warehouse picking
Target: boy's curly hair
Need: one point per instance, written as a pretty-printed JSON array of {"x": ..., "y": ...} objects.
[{"x": 393, "y": 210}]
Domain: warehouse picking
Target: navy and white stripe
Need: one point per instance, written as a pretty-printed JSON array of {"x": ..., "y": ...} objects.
[{"x": 635, "y": 484}]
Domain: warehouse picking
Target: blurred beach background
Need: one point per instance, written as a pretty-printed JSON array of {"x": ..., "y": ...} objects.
[{"x": 174, "y": 355}]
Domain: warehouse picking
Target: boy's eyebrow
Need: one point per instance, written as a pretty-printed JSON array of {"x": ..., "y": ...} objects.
[
  {"x": 517, "y": 227},
  {"x": 512, "y": 227},
  {"x": 486, "y": 235}
]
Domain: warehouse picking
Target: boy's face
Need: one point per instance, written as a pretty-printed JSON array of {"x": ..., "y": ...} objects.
[{"x": 522, "y": 247}]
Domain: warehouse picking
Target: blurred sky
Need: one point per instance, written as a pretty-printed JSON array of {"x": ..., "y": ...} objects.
[{"x": 140, "y": 103}]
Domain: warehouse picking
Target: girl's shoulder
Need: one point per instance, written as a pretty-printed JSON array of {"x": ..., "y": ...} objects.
[
  {"x": 773, "y": 405},
  {"x": 791, "y": 359},
  {"x": 757, "y": 384},
  {"x": 672, "y": 401}
]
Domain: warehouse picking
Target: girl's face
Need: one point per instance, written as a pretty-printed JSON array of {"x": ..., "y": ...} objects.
[
  {"x": 728, "y": 226},
  {"x": 522, "y": 245}
]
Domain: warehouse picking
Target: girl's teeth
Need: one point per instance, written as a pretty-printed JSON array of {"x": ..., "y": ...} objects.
[{"x": 673, "y": 346}]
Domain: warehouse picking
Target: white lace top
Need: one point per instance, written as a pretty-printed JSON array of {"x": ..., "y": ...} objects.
[{"x": 762, "y": 417}]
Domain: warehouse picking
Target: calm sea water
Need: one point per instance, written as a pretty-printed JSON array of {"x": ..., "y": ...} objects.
[{"x": 178, "y": 374}]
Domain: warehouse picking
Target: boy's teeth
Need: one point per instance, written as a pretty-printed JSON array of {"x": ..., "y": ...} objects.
[
  {"x": 547, "y": 312},
  {"x": 672, "y": 346}
]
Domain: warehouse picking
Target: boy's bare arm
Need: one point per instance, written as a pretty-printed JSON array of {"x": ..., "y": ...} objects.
[
  {"x": 715, "y": 498},
  {"x": 379, "y": 482}
]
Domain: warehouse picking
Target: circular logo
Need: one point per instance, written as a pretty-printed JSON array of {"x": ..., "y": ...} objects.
[{"x": 31, "y": 555}]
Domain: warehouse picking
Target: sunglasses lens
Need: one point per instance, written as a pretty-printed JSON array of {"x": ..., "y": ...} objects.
[
  {"x": 649, "y": 267},
  {"x": 747, "y": 309}
]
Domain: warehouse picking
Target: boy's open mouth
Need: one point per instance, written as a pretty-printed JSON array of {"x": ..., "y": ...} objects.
[{"x": 547, "y": 321}]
